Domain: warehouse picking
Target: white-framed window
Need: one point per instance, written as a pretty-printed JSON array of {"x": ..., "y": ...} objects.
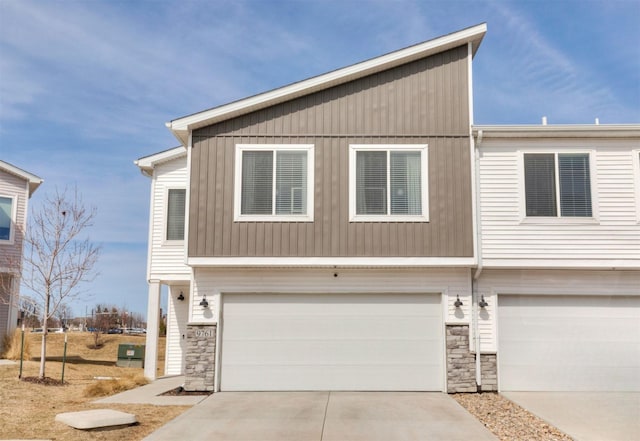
[
  {"x": 558, "y": 185},
  {"x": 7, "y": 219},
  {"x": 274, "y": 182},
  {"x": 176, "y": 205},
  {"x": 388, "y": 182}
]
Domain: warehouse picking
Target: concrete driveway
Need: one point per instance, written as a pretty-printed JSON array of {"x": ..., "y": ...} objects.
[
  {"x": 586, "y": 416},
  {"x": 344, "y": 416}
]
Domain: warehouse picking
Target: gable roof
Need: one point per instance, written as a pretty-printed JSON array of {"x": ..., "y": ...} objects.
[
  {"x": 34, "y": 181},
  {"x": 148, "y": 163},
  {"x": 181, "y": 127}
]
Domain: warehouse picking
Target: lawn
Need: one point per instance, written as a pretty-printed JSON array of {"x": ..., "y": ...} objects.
[{"x": 28, "y": 410}]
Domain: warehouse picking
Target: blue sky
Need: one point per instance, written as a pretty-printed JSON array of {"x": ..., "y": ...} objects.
[{"x": 86, "y": 86}]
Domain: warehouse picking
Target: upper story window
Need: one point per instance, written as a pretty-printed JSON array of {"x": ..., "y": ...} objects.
[
  {"x": 176, "y": 198},
  {"x": 7, "y": 207},
  {"x": 388, "y": 183},
  {"x": 557, "y": 184},
  {"x": 274, "y": 182}
]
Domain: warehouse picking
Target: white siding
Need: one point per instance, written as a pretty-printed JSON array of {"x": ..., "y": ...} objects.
[
  {"x": 448, "y": 281},
  {"x": 177, "y": 315},
  {"x": 166, "y": 257},
  {"x": 15, "y": 187},
  {"x": 508, "y": 239}
]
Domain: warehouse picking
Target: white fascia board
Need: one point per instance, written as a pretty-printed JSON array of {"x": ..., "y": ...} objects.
[
  {"x": 33, "y": 180},
  {"x": 602, "y": 264},
  {"x": 181, "y": 126},
  {"x": 482, "y": 132},
  {"x": 330, "y": 262},
  {"x": 148, "y": 163}
]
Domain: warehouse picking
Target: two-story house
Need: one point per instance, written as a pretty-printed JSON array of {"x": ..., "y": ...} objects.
[
  {"x": 16, "y": 187},
  {"x": 559, "y": 255},
  {"x": 329, "y": 235},
  {"x": 356, "y": 231}
]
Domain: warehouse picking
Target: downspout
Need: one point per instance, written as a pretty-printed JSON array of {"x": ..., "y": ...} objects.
[{"x": 476, "y": 275}]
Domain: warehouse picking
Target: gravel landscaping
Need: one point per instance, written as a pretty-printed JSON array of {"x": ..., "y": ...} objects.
[{"x": 507, "y": 420}]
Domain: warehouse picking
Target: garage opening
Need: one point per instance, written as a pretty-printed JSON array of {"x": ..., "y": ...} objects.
[{"x": 356, "y": 342}]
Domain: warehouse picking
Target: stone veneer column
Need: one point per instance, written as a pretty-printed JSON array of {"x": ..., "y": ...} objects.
[
  {"x": 461, "y": 363},
  {"x": 199, "y": 370},
  {"x": 489, "y": 372}
]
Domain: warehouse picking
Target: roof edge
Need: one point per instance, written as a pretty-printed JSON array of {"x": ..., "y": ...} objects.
[
  {"x": 557, "y": 131},
  {"x": 148, "y": 163},
  {"x": 182, "y": 126},
  {"x": 34, "y": 181}
]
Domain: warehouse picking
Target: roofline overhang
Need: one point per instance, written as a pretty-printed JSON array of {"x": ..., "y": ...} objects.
[
  {"x": 556, "y": 131},
  {"x": 146, "y": 164},
  {"x": 181, "y": 127},
  {"x": 34, "y": 181}
]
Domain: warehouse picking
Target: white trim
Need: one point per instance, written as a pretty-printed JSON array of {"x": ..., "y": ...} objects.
[
  {"x": 187, "y": 203},
  {"x": 379, "y": 262},
  {"x": 148, "y": 163},
  {"x": 237, "y": 190},
  {"x": 165, "y": 218},
  {"x": 631, "y": 264},
  {"x": 558, "y": 219},
  {"x": 557, "y": 131},
  {"x": 181, "y": 126},
  {"x": 635, "y": 159},
  {"x": 13, "y": 221},
  {"x": 424, "y": 177}
]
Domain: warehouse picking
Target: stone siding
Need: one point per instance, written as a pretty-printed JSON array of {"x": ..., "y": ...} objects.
[
  {"x": 461, "y": 363},
  {"x": 199, "y": 370},
  {"x": 489, "y": 372}
]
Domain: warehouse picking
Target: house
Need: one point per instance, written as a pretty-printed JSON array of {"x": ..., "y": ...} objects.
[
  {"x": 357, "y": 231},
  {"x": 329, "y": 230},
  {"x": 559, "y": 255},
  {"x": 16, "y": 187}
]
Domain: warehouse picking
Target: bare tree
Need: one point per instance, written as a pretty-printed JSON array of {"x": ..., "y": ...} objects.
[{"x": 57, "y": 258}]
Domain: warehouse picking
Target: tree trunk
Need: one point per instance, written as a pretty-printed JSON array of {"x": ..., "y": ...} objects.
[{"x": 45, "y": 331}]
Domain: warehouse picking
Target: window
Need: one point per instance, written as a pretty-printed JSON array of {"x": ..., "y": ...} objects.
[
  {"x": 175, "y": 213},
  {"x": 388, "y": 182},
  {"x": 557, "y": 183},
  {"x": 274, "y": 182},
  {"x": 6, "y": 218}
]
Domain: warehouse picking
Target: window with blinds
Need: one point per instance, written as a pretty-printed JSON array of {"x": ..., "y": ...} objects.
[
  {"x": 557, "y": 184},
  {"x": 275, "y": 182},
  {"x": 6, "y": 217},
  {"x": 389, "y": 182},
  {"x": 176, "y": 213}
]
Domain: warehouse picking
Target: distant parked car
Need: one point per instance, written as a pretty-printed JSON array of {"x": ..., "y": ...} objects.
[{"x": 114, "y": 331}]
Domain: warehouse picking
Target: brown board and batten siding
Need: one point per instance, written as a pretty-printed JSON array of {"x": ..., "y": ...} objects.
[{"x": 425, "y": 101}]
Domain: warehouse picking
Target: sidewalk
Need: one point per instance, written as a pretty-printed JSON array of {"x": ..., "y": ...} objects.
[{"x": 150, "y": 394}]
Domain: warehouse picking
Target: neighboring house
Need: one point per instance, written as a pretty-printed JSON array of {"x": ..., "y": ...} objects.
[
  {"x": 16, "y": 187},
  {"x": 559, "y": 261},
  {"x": 356, "y": 231}
]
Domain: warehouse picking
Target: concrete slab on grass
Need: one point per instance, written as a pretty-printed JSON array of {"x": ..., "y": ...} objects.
[{"x": 93, "y": 419}]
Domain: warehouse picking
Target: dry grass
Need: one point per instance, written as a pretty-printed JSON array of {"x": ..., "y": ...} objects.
[
  {"x": 28, "y": 410},
  {"x": 12, "y": 343},
  {"x": 102, "y": 388}
]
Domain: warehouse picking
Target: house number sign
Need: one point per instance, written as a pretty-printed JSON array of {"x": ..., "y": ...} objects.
[{"x": 204, "y": 333}]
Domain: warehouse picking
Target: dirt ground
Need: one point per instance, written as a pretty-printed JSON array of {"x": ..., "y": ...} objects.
[{"x": 28, "y": 410}]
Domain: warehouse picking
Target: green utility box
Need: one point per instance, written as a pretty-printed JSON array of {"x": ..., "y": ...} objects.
[{"x": 130, "y": 355}]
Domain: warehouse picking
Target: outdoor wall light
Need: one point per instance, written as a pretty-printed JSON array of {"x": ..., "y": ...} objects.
[
  {"x": 458, "y": 303},
  {"x": 482, "y": 303},
  {"x": 204, "y": 302},
  {"x": 181, "y": 296}
]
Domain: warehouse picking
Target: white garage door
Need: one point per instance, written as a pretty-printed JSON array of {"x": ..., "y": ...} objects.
[
  {"x": 569, "y": 343},
  {"x": 331, "y": 342}
]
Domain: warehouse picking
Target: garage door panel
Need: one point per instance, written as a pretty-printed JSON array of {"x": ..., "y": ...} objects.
[
  {"x": 333, "y": 377},
  {"x": 343, "y": 326},
  {"x": 564, "y": 343},
  {"x": 331, "y": 352},
  {"x": 332, "y": 342}
]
